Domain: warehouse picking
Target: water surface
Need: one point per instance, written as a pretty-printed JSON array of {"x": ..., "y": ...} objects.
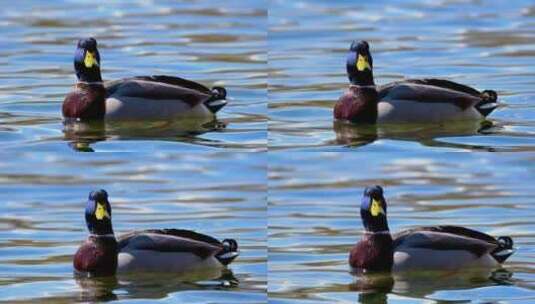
[
  {"x": 485, "y": 44},
  {"x": 42, "y": 224},
  {"x": 214, "y": 45},
  {"x": 314, "y": 220}
]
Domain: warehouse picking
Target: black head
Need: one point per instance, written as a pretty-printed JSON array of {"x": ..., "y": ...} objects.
[
  {"x": 98, "y": 213},
  {"x": 87, "y": 61},
  {"x": 360, "y": 64},
  {"x": 373, "y": 209}
]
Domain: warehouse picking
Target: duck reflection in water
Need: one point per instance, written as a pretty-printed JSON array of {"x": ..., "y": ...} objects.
[
  {"x": 151, "y": 285},
  {"x": 356, "y": 135},
  {"x": 81, "y": 135},
  {"x": 374, "y": 287}
]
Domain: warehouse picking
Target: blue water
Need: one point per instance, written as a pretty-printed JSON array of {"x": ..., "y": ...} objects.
[
  {"x": 42, "y": 222},
  {"x": 212, "y": 45},
  {"x": 293, "y": 209},
  {"x": 485, "y": 44},
  {"x": 314, "y": 220}
]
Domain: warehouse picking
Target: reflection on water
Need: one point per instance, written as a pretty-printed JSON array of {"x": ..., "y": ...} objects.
[
  {"x": 212, "y": 45},
  {"x": 374, "y": 288},
  {"x": 353, "y": 135},
  {"x": 82, "y": 135},
  {"x": 314, "y": 222},
  {"x": 97, "y": 289},
  {"x": 151, "y": 286},
  {"x": 463, "y": 41}
]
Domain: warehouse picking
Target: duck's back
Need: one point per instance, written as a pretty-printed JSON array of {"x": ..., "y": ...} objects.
[
  {"x": 443, "y": 248},
  {"x": 432, "y": 100},
  {"x": 167, "y": 250},
  {"x": 155, "y": 97}
]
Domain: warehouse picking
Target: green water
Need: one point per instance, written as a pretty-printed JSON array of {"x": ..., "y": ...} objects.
[{"x": 272, "y": 171}]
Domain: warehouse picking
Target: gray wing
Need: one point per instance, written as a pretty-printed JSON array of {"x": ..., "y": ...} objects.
[
  {"x": 431, "y": 91},
  {"x": 163, "y": 241},
  {"x": 446, "y": 84},
  {"x": 446, "y": 238},
  {"x": 159, "y": 87}
]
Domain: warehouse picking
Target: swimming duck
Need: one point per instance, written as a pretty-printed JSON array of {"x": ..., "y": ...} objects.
[
  {"x": 423, "y": 248},
  {"x": 412, "y": 100},
  {"x": 142, "y": 97},
  {"x": 154, "y": 250}
]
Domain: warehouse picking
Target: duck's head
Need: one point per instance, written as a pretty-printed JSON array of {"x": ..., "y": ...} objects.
[
  {"x": 87, "y": 60},
  {"x": 373, "y": 209},
  {"x": 360, "y": 64},
  {"x": 98, "y": 213}
]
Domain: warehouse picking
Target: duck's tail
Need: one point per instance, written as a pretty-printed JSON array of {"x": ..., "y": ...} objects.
[
  {"x": 229, "y": 251},
  {"x": 505, "y": 249},
  {"x": 217, "y": 101},
  {"x": 488, "y": 102}
]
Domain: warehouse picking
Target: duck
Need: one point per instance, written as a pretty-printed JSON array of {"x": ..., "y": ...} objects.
[
  {"x": 134, "y": 98},
  {"x": 145, "y": 251},
  {"x": 441, "y": 248},
  {"x": 427, "y": 100}
]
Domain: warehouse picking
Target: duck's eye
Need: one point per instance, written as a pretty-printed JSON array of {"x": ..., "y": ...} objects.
[
  {"x": 376, "y": 208},
  {"x": 101, "y": 212},
  {"x": 362, "y": 63},
  {"x": 90, "y": 59}
]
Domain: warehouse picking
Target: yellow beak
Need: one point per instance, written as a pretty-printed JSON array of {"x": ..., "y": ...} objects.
[
  {"x": 90, "y": 59},
  {"x": 101, "y": 212},
  {"x": 376, "y": 208},
  {"x": 362, "y": 63}
]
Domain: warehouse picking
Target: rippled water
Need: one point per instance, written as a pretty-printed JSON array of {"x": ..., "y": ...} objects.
[
  {"x": 314, "y": 220},
  {"x": 42, "y": 222},
  {"x": 223, "y": 45},
  {"x": 283, "y": 64},
  {"x": 485, "y": 44}
]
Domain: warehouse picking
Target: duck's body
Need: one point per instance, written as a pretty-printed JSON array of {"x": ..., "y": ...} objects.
[
  {"x": 165, "y": 250},
  {"x": 412, "y": 100},
  {"x": 172, "y": 250},
  {"x": 142, "y": 97},
  {"x": 423, "y": 248},
  {"x": 448, "y": 248},
  {"x": 431, "y": 100}
]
